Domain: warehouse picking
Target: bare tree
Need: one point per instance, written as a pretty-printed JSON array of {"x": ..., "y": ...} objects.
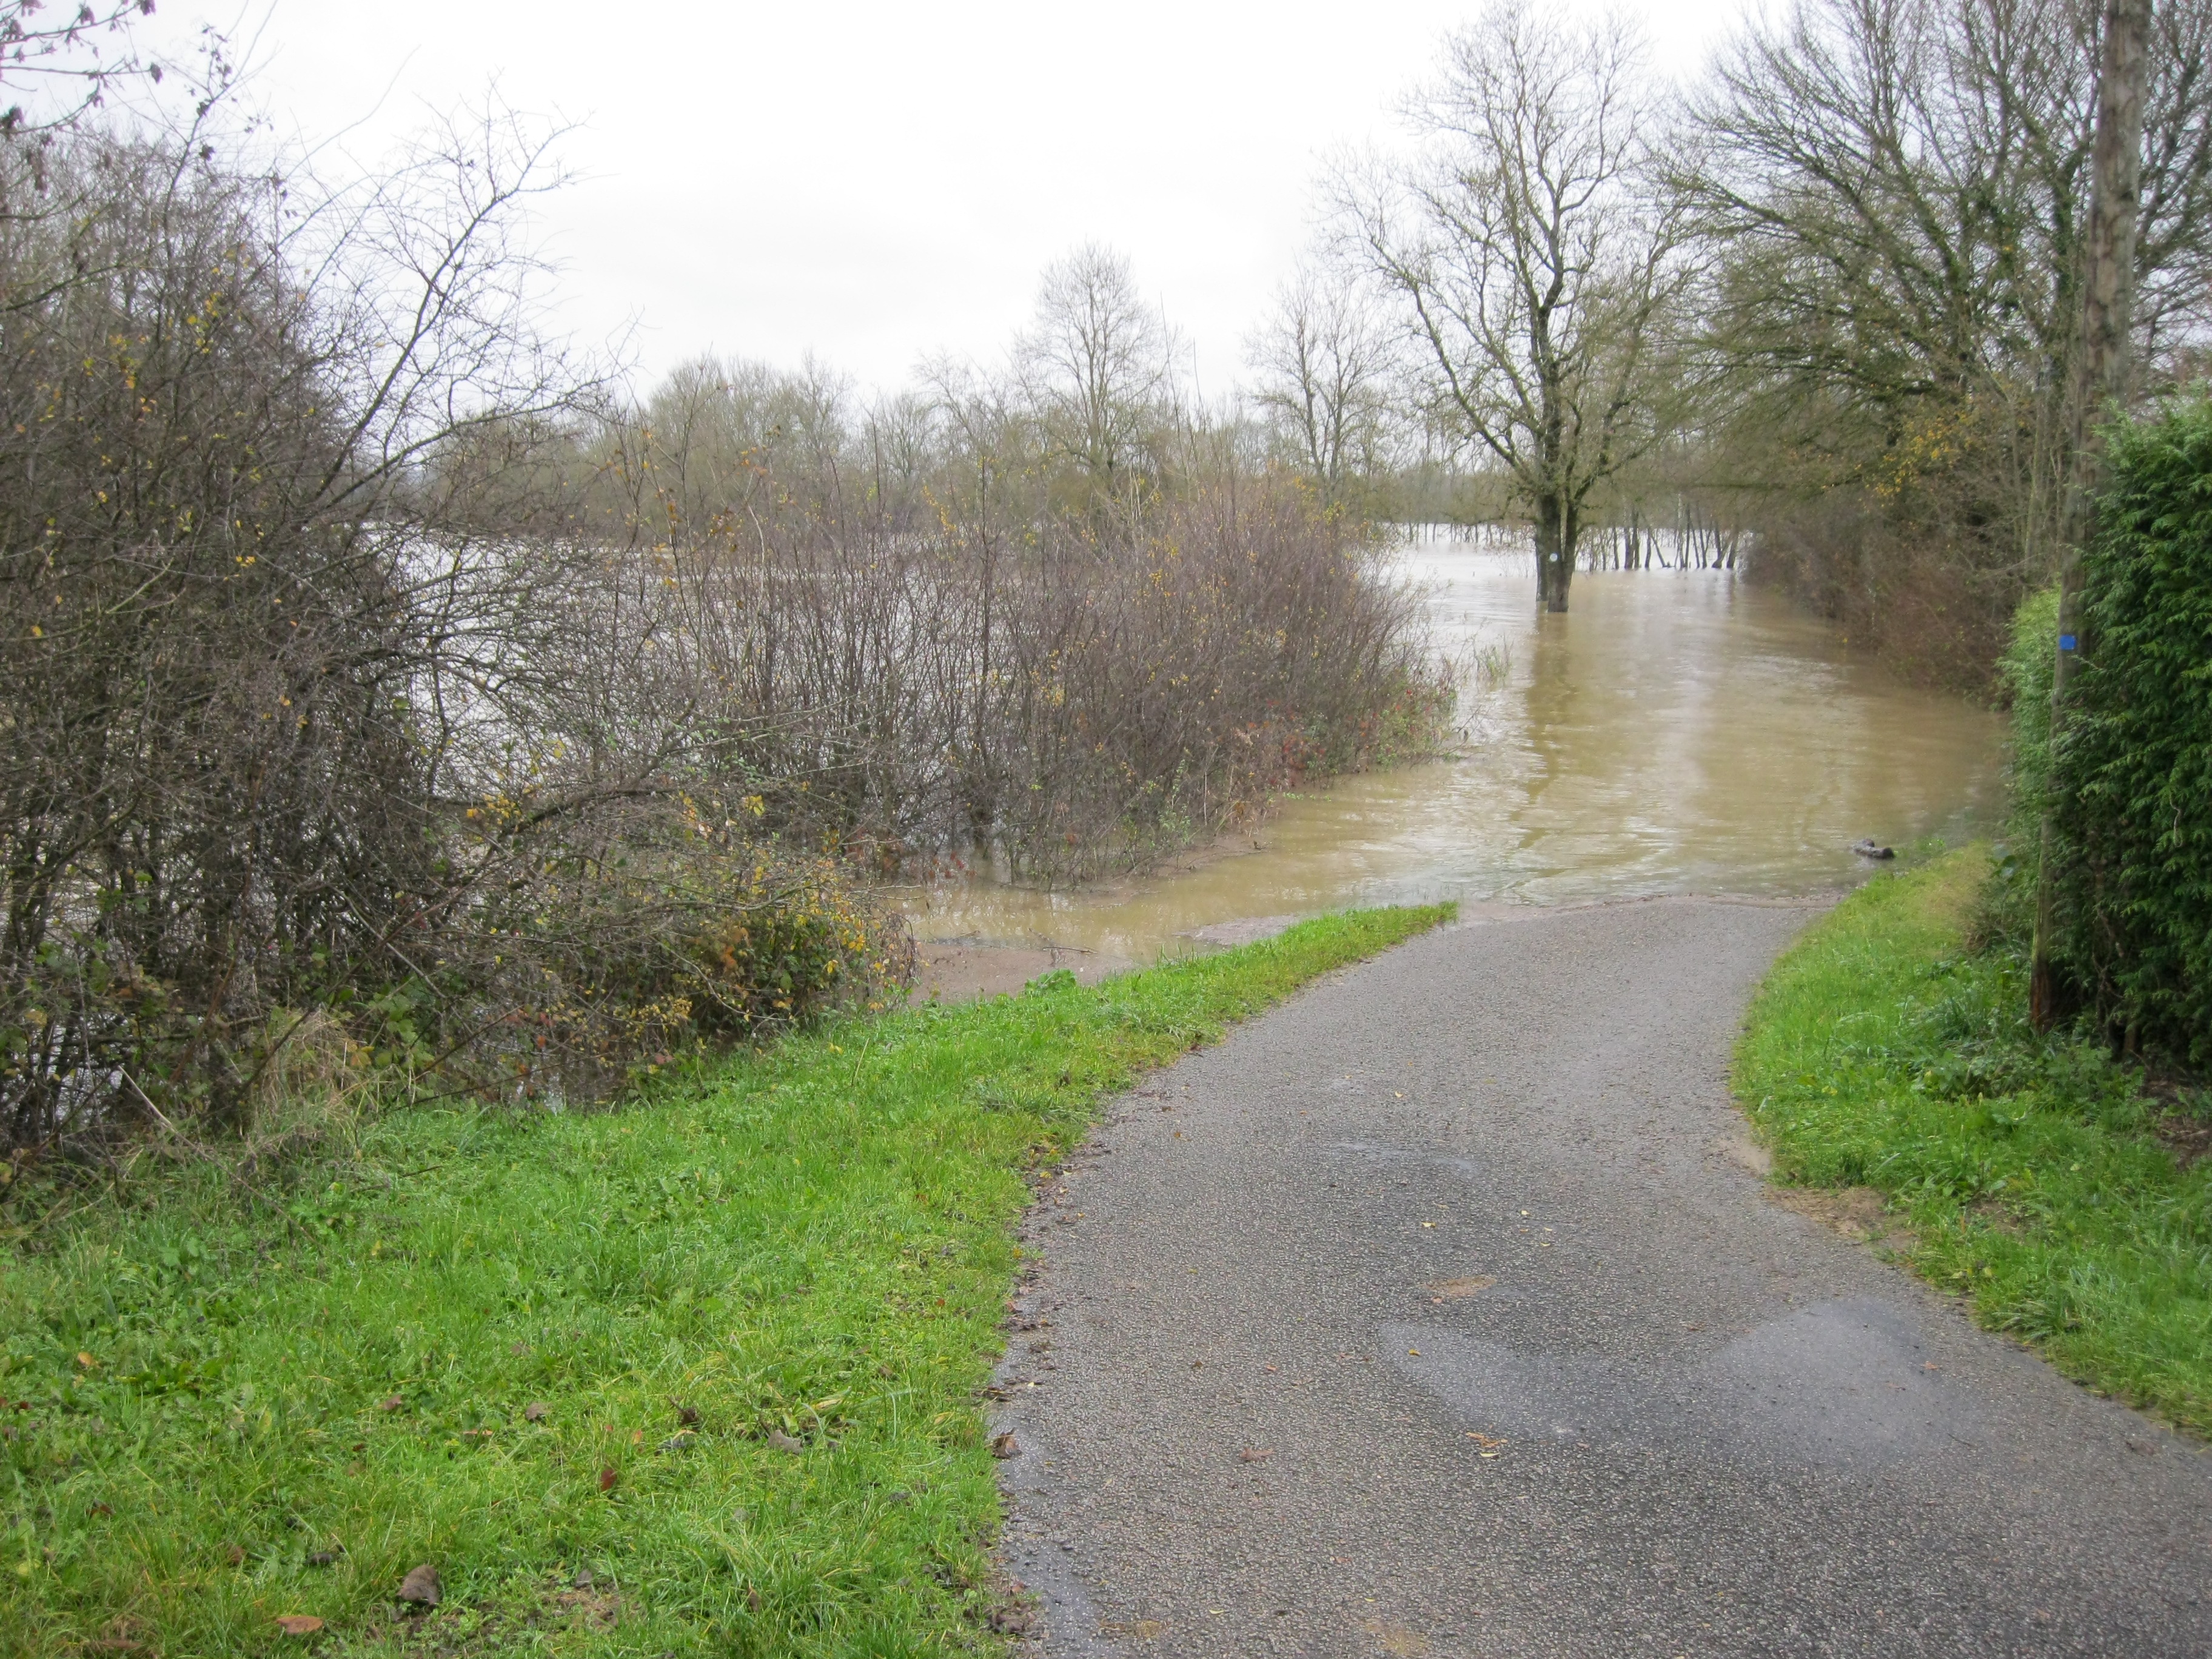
[
  {"x": 58, "y": 60},
  {"x": 1096, "y": 365},
  {"x": 1538, "y": 255},
  {"x": 1326, "y": 366}
]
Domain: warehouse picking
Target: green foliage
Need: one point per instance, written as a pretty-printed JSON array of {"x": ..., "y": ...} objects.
[
  {"x": 2132, "y": 765},
  {"x": 221, "y": 1411},
  {"x": 2025, "y": 673},
  {"x": 2006, "y": 914},
  {"x": 1878, "y": 1054}
]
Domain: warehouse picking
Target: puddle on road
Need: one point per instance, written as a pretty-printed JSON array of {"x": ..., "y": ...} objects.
[
  {"x": 1676, "y": 732},
  {"x": 1840, "y": 1382}
]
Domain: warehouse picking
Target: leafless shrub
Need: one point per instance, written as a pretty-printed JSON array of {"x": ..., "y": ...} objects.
[
  {"x": 307, "y": 697},
  {"x": 925, "y": 646}
]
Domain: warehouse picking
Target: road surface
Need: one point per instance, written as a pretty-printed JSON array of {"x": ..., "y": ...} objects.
[{"x": 1438, "y": 1312}]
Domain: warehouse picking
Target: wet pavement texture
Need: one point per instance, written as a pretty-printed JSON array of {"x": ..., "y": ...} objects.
[{"x": 1437, "y": 1313}]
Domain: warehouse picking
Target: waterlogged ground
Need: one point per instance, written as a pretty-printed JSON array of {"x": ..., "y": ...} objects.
[{"x": 1675, "y": 732}]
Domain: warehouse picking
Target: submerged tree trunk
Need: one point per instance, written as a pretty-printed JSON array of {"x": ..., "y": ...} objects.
[{"x": 1556, "y": 527}]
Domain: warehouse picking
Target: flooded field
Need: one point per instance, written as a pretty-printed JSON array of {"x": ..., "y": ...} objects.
[{"x": 1677, "y": 732}]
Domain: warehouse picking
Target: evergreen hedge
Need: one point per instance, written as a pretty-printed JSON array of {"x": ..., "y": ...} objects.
[{"x": 2132, "y": 761}]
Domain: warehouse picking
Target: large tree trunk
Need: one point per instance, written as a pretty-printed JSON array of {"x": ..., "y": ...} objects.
[
  {"x": 2106, "y": 317},
  {"x": 1555, "y": 553}
]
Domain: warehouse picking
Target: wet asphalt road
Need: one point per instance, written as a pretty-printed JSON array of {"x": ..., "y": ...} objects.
[{"x": 1432, "y": 1314}]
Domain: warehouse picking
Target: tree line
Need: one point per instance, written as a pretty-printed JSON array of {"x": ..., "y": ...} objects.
[
  {"x": 380, "y": 667},
  {"x": 1829, "y": 294},
  {"x": 386, "y": 677}
]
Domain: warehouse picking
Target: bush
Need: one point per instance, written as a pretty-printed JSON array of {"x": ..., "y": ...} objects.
[
  {"x": 318, "y": 710},
  {"x": 2132, "y": 765},
  {"x": 617, "y": 968},
  {"x": 957, "y": 663}
]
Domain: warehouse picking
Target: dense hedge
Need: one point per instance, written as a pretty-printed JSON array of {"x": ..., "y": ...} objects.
[{"x": 2131, "y": 762}]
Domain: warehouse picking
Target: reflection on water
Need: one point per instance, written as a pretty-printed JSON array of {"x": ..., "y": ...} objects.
[{"x": 1676, "y": 732}]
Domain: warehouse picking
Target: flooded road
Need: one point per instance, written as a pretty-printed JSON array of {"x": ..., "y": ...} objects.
[{"x": 1676, "y": 732}]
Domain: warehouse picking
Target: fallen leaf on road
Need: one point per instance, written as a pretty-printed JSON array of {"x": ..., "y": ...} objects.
[
  {"x": 1455, "y": 1288},
  {"x": 1256, "y": 1454},
  {"x": 1005, "y": 1445},
  {"x": 1397, "y": 1640},
  {"x": 421, "y": 1588},
  {"x": 299, "y": 1623}
]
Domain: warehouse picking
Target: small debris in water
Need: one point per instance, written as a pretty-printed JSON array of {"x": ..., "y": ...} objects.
[{"x": 1871, "y": 849}]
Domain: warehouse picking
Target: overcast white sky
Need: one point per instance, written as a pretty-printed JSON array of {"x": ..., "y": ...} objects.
[{"x": 877, "y": 182}]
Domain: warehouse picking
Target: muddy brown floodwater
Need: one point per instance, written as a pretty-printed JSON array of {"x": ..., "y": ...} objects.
[{"x": 1676, "y": 732}]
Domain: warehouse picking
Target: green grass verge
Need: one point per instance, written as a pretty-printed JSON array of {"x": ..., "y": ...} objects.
[
  {"x": 223, "y": 1407},
  {"x": 1880, "y": 1054}
]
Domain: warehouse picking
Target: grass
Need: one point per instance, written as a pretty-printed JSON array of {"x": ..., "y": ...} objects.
[
  {"x": 1881, "y": 1053},
  {"x": 480, "y": 1339}
]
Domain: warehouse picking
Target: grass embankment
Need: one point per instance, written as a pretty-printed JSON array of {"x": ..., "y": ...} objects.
[
  {"x": 720, "y": 1352},
  {"x": 1881, "y": 1053}
]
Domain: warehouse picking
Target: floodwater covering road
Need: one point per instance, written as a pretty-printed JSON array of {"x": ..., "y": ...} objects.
[
  {"x": 1437, "y": 1313},
  {"x": 1676, "y": 732}
]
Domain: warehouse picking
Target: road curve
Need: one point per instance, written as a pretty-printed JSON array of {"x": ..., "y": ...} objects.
[{"x": 1431, "y": 1315}]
